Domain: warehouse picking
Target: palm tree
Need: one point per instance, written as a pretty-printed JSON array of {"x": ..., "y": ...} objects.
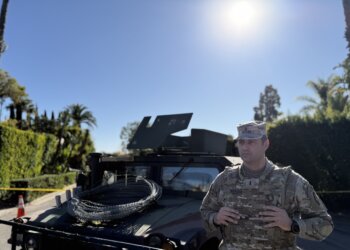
[
  {"x": 346, "y": 6},
  {"x": 9, "y": 88},
  {"x": 62, "y": 125},
  {"x": 80, "y": 114},
  {"x": 338, "y": 101},
  {"x": 24, "y": 104},
  {"x": 4, "y": 78},
  {"x": 30, "y": 109},
  {"x": 2, "y": 25},
  {"x": 74, "y": 143},
  {"x": 62, "y": 135},
  {"x": 346, "y": 63},
  {"x": 78, "y": 159},
  {"x": 19, "y": 102},
  {"x": 324, "y": 90}
]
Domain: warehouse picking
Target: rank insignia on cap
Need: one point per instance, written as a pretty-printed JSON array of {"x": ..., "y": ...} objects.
[{"x": 251, "y": 130}]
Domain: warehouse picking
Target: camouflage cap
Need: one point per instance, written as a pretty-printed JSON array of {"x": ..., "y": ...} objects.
[{"x": 251, "y": 130}]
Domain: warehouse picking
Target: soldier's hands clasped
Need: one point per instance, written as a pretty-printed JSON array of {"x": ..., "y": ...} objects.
[
  {"x": 227, "y": 215},
  {"x": 275, "y": 217}
]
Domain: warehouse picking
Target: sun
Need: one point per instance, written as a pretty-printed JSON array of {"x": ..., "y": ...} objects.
[
  {"x": 240, "y": 14},
  {"x": 233, "y": 21}
]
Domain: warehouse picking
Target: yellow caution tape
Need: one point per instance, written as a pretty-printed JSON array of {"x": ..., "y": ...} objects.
[
  {"x": 334, "y": 192},
  {"x": 60, "y": 189},
  {"x": 32, "y": 189}
]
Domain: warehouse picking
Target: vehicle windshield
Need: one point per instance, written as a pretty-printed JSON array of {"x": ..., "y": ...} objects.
[
  {"x": 110, "y": 177},
  {"x": 177, "y": 178},
  {"x": 191, "y": 178}
]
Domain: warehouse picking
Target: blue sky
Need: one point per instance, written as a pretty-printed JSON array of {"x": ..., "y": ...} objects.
[{"x": 126, "y": 59}]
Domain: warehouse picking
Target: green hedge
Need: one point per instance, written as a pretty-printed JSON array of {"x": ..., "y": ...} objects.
[
  {"x": 44, "y": 181},
  {"x": 319, "y": 150},
  {"x": 23, "y": 153}
]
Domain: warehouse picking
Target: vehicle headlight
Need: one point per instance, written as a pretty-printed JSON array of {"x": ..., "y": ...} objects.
[
  {"x": 32, "y": 241},
  {"x": 160, "y": 241},
  {"x": 31, "y": 244},
  {"x": 155, "y": 241}
]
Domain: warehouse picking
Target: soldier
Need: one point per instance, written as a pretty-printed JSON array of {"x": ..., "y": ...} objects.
[{"x": 257, "y": 205}]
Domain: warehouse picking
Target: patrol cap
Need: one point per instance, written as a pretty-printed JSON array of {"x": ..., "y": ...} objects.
[{"x": 251, "y": 130}]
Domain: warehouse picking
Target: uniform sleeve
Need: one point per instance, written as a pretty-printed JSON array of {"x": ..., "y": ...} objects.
[
  {"x": 210, "y": 205},
  {"x": 314, "y": 221}
]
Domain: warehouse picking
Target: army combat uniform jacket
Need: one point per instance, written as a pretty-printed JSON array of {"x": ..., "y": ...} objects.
[{"x": 280, "y": 187}]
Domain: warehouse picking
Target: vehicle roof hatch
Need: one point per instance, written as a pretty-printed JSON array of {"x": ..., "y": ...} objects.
[
  {"x": 159, "y": 136},
  {"x": 159, "y": 133}
]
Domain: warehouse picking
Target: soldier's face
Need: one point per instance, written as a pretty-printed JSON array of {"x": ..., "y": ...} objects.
[{"x": 252, "y": 150}]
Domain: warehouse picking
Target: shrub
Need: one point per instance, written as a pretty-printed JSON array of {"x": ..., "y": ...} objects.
[
  {"x": 23, "y": 153},
  {"x": 44, "y": 181},
  {"x": 318, "y": 150}
]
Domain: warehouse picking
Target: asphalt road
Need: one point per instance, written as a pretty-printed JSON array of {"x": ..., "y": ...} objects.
[
  {"x": 32, "y": 209},
  {"x": 338, "y": 240}
]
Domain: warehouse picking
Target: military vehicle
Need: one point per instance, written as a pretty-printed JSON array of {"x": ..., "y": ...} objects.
[{"x": 148, "y": 201}]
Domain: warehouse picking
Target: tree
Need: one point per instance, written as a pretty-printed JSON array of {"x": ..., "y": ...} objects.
[
  {"x": 337, "y": 104},
  {"x": 74, "y": 143},
  {"x": 78, "y": 157},
  {"x": 346, "y": 6},
  {"x": 10, "y": 89},
  {"x": 44, "y": 122},
  {"x": 127, "y": 133},
  {"x": 18, "y": 96},
  {"x": 80, "y": 114},
  {"x": 2, "y": 25},
  {"x": 23, "y": 105},
  {"x": 26, "y": 105},
  {"x": 346, "y": 63},
  {"x": 268, "y": 105},
  {"x": 4, "y": 84},
  {"x": 329, "y": 97},
  {"x": 52, "y": 124}
]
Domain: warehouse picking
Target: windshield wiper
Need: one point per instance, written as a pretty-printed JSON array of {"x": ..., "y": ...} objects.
[{"x": 185, "y": 165}]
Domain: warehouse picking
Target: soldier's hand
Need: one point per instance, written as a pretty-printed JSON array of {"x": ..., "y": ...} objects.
[
  {"x": 227, "y": 215},
  {"x": 275, "y": 217}
]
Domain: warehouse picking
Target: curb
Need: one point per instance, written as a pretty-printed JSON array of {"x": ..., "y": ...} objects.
[
  {"x": 50, "y": 196},
  {"x": 38, "y": 201},
  {"x": 7, "y": 211}
]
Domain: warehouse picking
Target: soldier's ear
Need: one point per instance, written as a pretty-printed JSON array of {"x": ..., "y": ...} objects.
[{"x": 266, "y": 143}]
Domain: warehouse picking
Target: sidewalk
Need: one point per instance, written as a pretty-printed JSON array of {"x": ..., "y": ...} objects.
[{"x": 38, "y": 201}]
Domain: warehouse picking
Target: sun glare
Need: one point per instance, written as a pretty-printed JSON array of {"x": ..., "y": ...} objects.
[
  {"x": 239, "y": 15},
  {"x": 232, "y": 22}
]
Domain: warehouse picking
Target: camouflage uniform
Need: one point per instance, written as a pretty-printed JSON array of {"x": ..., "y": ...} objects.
[{"x": 280, "y": 187}]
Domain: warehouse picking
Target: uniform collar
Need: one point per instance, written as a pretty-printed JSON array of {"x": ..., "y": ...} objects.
[{"x": 267, "y": 170}]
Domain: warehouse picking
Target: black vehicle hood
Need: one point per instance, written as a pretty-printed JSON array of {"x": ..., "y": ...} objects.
[{"x": 173, "y": 216}]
